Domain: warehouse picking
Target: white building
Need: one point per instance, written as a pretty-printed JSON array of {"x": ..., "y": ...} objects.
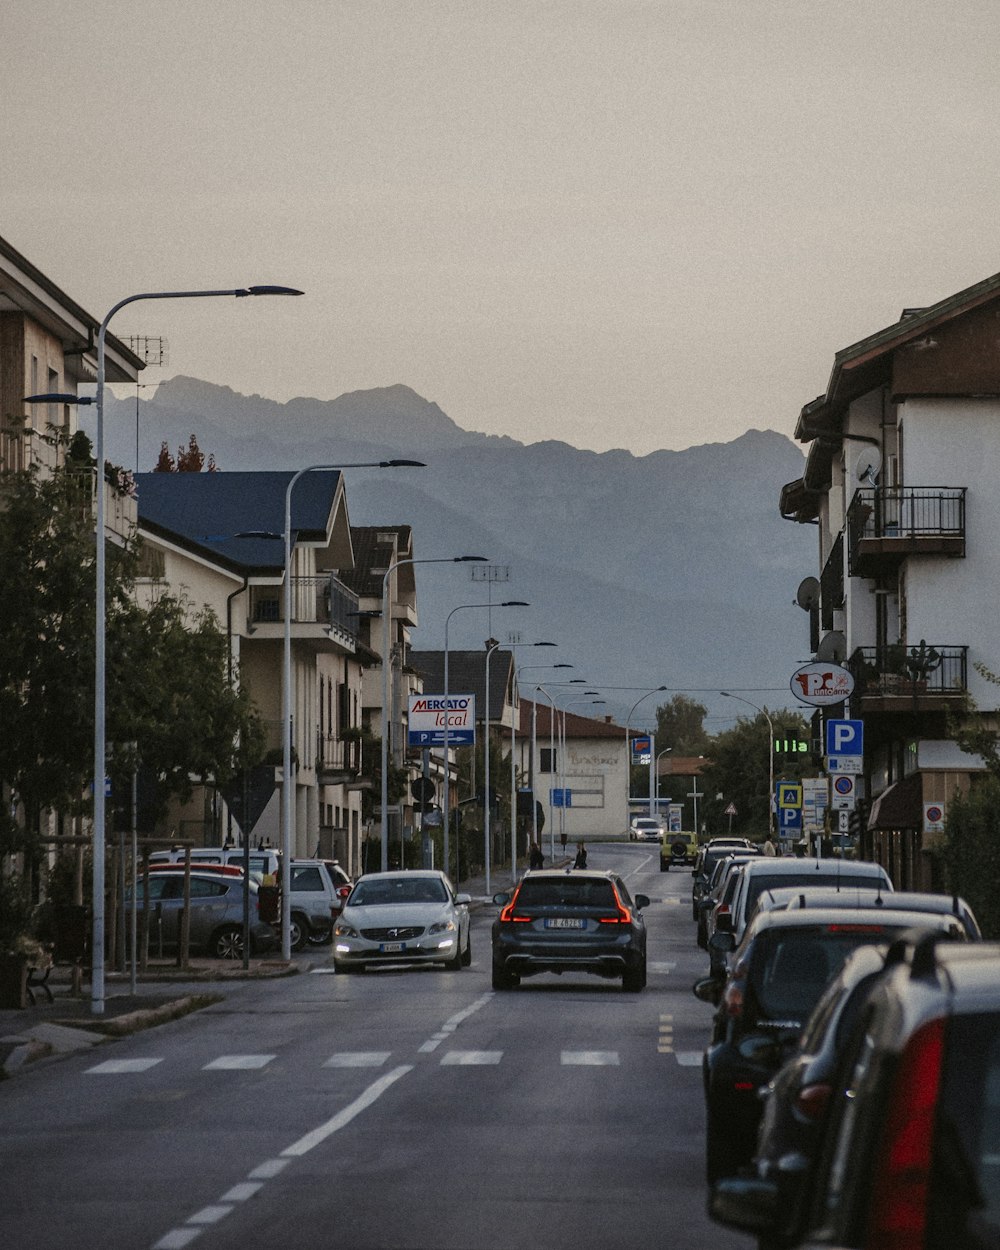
[{"x": 901, "y": 482}]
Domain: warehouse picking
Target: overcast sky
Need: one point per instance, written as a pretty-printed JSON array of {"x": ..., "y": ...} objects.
[{"x": 621, "y": 223}]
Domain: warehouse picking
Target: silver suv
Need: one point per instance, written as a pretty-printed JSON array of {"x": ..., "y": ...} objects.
[
  {"x": 216, "y": 914},
  {"x": 316, "y": 902}
]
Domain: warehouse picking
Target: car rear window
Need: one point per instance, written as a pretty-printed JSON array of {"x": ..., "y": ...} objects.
[
  {"x": 792, "y": 967},
  {"x": 965, "y": 1188},
  {"x": 759, "y": 882},
  {"x": 568, "y": 891}
]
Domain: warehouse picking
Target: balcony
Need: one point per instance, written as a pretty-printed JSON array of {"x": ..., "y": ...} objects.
[
  {"x": 885, "y": 524},
  {"x": 323, "y": 601},
  {"x": 900, "y": 678},
  {"x": 831, "y": 584},
  {"x": 337, "y": 761}
]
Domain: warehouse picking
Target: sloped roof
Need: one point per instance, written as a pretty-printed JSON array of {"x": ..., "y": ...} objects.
[
  {"x": 206, "y": 511},
  {"x": 372, "y": 555},
  {"x": 576, "y": 726},
  {"x": 466, "y": 675}
]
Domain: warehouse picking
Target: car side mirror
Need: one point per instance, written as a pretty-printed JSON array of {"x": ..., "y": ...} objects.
[
  {"x": 641, "y": 901},
  {"x": 463, "y": 900},
  {"x": 501, "y": 900},
  {"x": 724, "y": 923},
  {"x": 722, "y": 942},
  {"x": 747, "y": 1203},
  {"x": 708, "y": 990}
]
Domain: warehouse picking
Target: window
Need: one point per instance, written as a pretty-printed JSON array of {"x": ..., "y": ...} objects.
[
  {"x": 548, "y": 759},
  {"x": 307, "y": 878}
]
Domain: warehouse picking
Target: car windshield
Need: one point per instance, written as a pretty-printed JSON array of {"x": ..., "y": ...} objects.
[
  {"x": 399, "y": 890},
  {"x": 568, "y": 891}
]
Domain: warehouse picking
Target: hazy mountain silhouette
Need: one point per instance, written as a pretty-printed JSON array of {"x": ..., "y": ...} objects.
[{"x": 669, "y": 569}]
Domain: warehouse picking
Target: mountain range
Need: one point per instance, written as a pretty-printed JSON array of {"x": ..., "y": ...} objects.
[{"x": 669, "y": 569}]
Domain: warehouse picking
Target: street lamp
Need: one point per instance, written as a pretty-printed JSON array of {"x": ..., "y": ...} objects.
[
  {"x": 100, "y": 620},
  {"x": 446, "y": 789},
  {"x": 628, "y": 766},
  {"x": 659, "y": 756},
  {"x": 287, "y": 783},
  {"x": 515, "y": 718},
  {"x": 770, "y": 759},
  {"x": 386, "y": 665},
  {"x": 562, "y": 755}
]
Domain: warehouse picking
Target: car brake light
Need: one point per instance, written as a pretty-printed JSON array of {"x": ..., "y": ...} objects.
[
  {"x": 732, "y": 1000},
  {"x": 507, "y": 916},
  {"x": 899, "y": 1203},
  {"x": 624, "y": 916},
  {"x": 812, "y": 1101}
]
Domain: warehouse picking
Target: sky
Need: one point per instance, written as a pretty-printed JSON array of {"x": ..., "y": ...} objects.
[{"x": 636, "y": 224}]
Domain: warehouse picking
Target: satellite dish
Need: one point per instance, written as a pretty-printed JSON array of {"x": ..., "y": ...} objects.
[
  {"x": 832, "y": 648},
  {"x": 807, "y": 595},
  {"x": 868, "y": 465}
]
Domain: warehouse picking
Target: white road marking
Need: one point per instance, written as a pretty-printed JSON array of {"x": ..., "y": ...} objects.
[
  {"x": 177, "y": 1239},
  {"x": 114, "y": 1067},
  {"x": 209, "y": 1215},
  {"x": 344, "y": 1117},
  {"x": 358, "y": 1059},
  {"x": 689, "y": 1058},
  {"x": 665, "y": 966},
  {"x": 471, "y": 1058},
  {"x": 238, "y": 1063},
  {"x": 590, "y": 1058},
  {"x": 266, "y": 1171},
  {"x": 243, "y": 1191}
]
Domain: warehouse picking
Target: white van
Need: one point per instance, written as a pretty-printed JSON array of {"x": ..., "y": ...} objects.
[{"x": 262, "y": 861}]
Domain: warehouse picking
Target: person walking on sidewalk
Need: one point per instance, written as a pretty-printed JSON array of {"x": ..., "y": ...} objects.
[
  {"x": 536, "y": 858},
  {"x": 581, "y": 856}
]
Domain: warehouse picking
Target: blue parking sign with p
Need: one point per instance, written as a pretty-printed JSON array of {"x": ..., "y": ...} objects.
[
  {"x": 790, "y": 818},
  {"x": 845, "y": 737}
]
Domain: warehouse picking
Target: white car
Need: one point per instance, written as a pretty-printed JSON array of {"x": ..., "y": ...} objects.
[
  {"x": 646, "y": 829},
  {"x": 410, "y": 917}
]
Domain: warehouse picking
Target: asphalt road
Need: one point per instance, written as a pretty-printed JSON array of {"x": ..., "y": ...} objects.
[{"x": 398, "y": 1110}]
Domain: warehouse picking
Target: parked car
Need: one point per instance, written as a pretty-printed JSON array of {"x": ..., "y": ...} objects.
[
  {"x": 342, "y": 883},
  {"x": 403, "y": 917},
  {"x": 645, "y": 829},
  {"x": 909, "y": 900},
  {"x": 705, "y": 862},
  {"x": 584, "y": 921},
  {"x": 216, "y": 925},
  {"x": 777, "y": 976},
  {"x": 909, "y": 1154},
  {"x": 768, "y": 873},
  {"x": 677, "y": 850},
  {"x": 720, "y": 895},
  {"x": 316, "y": 902}
]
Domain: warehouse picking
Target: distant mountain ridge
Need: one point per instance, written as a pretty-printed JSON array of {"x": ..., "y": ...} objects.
[{"x": 668, "y": 569}]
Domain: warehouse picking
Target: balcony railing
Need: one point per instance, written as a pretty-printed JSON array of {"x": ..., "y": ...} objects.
[
  {"x": 321, "y": 600},
  {"x": 831, "y": 584},
  {"x": 887, "y": 523},
  {"x": 333, "y": 754},
  {"x": 921, "y": 672}
]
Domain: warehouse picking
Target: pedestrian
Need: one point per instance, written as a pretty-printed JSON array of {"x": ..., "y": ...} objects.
[
  {"x": 536, "y": 859},
  {"x": 769, "y": 847},
  {"x": 581, "y": 856}
]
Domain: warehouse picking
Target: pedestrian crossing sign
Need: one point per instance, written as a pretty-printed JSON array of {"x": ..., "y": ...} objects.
[{"x": 789, "y": 794}]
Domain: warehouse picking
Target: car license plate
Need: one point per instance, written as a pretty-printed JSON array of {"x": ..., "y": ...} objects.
[
  {"x": 563, "y": 922},
  {"x": 392, "y": 948}
]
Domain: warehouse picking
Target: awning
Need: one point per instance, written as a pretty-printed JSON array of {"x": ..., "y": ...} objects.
[{"x": 901, "y": 806}]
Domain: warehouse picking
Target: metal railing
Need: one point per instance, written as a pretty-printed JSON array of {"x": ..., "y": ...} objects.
[
  {"x": 322, "y": 600},
  {"x": 906, "y": 512},
  {"x": 921, "y": 670}
]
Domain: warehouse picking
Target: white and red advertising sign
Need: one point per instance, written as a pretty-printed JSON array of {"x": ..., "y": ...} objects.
[
  {"x": 822, "y": 685},
  {"x": 425, "y": 726}
]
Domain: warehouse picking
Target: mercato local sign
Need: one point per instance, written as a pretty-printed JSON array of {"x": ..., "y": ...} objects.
[{"x": 426, "y": 720}]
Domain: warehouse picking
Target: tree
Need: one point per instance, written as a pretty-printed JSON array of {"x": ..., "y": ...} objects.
[
  {"x": 680, "y": 726},
  {"x": 166, "y": 462},
  {"x": 190, "y": 459},
  {"x": 972, "y": 851}
]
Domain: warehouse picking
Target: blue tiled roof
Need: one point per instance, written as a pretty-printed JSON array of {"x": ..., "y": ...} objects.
[{"x": 206, "y": 511}]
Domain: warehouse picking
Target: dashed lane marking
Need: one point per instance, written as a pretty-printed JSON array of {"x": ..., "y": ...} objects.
[
  {"x": 238, "y": 1063},
  {"x": 116, "y": 1067},
  {"x": 358, "y": 1059},
  {"x": 471, "y": 1058},
  {"x": 589, "y": 1058}
]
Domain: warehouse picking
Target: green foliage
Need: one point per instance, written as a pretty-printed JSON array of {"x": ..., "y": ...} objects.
[
  {"x": 740, "y": 772},
  {"x": 680, "y": 725},
  {"x": 972, "y": 851}
]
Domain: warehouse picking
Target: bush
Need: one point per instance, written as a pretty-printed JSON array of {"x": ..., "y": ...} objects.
[{"x": 972, "y": 852}]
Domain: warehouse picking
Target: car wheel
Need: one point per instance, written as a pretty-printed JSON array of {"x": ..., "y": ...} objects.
[
  {"x": 503, "y": 980},
  {"x": 457, "y": 963},
  {"x": 320, "y": 937},
  {"x": 227, "y": 943},
  {"x": 721, "y": 1159},
  {"x": 664, "y": 866},
  {"x": 634, "y": 979},
  {"x": 467, "y": 957},
  {"x": 298, "y": 928}
]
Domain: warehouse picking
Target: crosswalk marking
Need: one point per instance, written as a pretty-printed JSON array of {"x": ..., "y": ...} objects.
[
  {"x": 238, "y": 1063},
  {"x": 358, "y": 1059},
  {"x": 664, "y": 966},
  {"x": 665, "y": 1045},
  {"x": 689, "y": 1058},
  {"x": 589, "y": 1058},
  {"x": 115, "y": 1067},
  {"x": 471, "y": 1058}
]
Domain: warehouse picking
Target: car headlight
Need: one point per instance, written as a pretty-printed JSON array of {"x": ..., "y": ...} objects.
[
  {"x": 345, "y": 930},
  {"x": 442, "y": 926}
]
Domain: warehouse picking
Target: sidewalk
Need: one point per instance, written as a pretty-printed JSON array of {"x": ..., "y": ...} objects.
[{"x": 164, "y": 992}]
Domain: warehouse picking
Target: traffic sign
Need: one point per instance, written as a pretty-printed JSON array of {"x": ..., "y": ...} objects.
[
  {"x": 845, "y": 746},
  {"x": 789, "y": 794},
  {"x": 842, "y": 793},
  {"x": 560, "y": 797},
  {"x": 789, "y": 819},
  {"x": 731, "y": 810}
]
